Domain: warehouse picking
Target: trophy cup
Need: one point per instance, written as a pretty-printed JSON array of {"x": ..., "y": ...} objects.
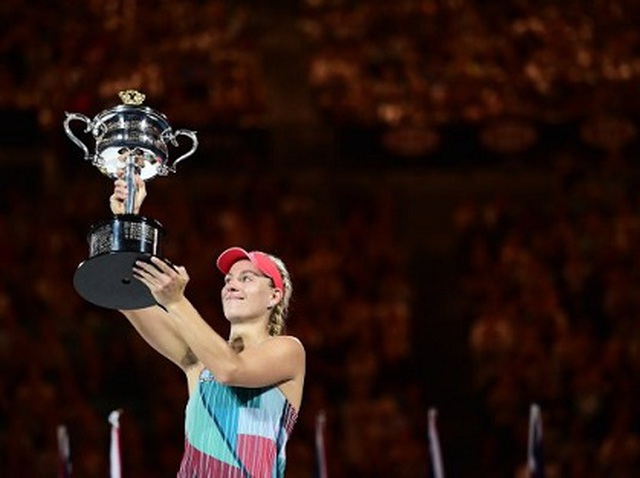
[{"x": 134, "y": 139}]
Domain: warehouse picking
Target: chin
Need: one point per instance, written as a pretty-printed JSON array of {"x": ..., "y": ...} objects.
[{"x": 233, "y": 314}]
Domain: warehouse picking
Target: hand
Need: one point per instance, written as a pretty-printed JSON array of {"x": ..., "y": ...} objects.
[
  {"x": 166, "y": 283},
  {"x": 120, "y": 193}
]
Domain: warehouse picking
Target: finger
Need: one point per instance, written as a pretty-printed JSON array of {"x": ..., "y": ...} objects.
[
  {"x": 139, "y": 182},
  {"x": 120, "y": 188},
  {"x": 163, "y": 266},
  {"x": 151, "y": 283},
  {"x": 143, "y": 280},
  {"x": 146, "y": 266},
  {"x": 144, "y": 275},
  {"x": 141, "y": 190},
  {"x": 148, "y": 272},
  {"x": 182, "y": 271}
]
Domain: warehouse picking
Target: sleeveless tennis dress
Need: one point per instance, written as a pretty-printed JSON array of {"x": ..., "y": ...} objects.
[{"x": 235, "y": 432}]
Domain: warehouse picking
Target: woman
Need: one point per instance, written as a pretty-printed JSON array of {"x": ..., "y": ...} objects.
[{"x": 244, "y": 392}]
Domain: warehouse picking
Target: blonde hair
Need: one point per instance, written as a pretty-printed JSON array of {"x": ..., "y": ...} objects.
[{"x": 277, "y": 319}]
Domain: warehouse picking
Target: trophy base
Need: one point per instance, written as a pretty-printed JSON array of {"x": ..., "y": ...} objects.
[
  {"x": 106, "y": 278},
  {"x": 107, "y": 281}
]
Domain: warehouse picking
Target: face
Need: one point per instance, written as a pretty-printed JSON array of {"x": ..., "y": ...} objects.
[{"x": 247, "y": 292}]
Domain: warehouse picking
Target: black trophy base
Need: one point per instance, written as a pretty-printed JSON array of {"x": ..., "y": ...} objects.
[
  {"x": 106, "y": 278},
  {"x": 107, "y": 281}
]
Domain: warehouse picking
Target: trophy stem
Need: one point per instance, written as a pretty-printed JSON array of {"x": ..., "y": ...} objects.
[{"x": 131, "y": 169}]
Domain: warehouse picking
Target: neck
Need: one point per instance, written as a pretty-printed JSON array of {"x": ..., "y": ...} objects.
[{"x": 247, "y": 334}]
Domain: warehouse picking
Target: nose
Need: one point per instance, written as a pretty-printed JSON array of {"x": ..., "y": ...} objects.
[{"x": 230, "y": 285}]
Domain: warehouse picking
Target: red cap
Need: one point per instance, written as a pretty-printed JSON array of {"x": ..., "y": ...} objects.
[{"x": 259, "y": 259}]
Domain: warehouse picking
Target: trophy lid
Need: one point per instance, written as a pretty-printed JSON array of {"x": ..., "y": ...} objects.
[
  {"x": 132, "y": 130},
  {"x": 132, "y": 103}
]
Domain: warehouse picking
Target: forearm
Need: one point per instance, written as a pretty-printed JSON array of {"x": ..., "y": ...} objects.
[
  {"x": 208, "y": 346},
  {"x": 155, "y": 327}
]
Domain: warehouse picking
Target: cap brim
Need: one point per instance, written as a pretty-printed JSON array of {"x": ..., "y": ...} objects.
[{"x": 230, "y": 257}]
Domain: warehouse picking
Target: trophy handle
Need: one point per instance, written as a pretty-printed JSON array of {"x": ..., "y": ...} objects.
[
  {"x": 171, "y": 136},
  {"x": 67, "y": 128}
]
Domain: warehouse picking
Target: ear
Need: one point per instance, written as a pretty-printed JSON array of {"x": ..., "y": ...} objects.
[{"x": 275, "y": 299}]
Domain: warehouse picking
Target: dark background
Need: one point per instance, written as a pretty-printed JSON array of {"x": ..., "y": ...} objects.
[{"x": 453, "y": 185}]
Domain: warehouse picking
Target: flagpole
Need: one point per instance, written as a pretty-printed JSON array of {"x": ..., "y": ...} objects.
[
  {"x": 321, "y": 456},
  {"x": 64, "y": 452},
  {"x": 435, "y": 454},
  {"x": 115, "y": 461},
  {"x": 535, "y": 465}
]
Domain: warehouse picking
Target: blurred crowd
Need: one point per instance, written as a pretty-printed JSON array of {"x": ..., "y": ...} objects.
[
  {"x": 407, "y": 62},
  {"x": 551, "y": 288},
  {"x": 194, "y": 58},
  {"x": 554, "y": 292},
  {"x": 425, "y": 62}
]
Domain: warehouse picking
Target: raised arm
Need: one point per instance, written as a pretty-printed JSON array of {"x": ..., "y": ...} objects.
[
  {"x": 152, "y": 323},
  {"x": 277, "y": 360},
  {"x": 155, "y": 327}
]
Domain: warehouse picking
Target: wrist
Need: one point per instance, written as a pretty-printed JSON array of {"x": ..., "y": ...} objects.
[{"x": 177, "y": 306}]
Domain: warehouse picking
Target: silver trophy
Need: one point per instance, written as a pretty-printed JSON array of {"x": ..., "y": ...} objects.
[{"x": 134, "y": 139}]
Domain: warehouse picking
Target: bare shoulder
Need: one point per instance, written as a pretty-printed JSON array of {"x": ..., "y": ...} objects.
[
  {"x": 286, "y": 349},
  {"x": 287, "y": 342},
  {"x": 293, "y": 339}
]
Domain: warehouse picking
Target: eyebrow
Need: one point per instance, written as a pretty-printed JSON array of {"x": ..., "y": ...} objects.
[{"x": 248, "y": 271}]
